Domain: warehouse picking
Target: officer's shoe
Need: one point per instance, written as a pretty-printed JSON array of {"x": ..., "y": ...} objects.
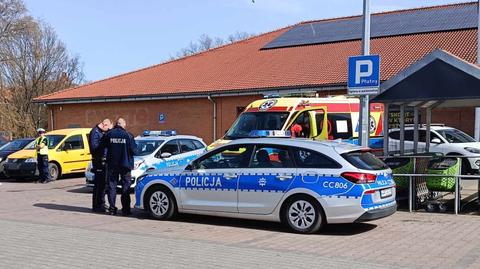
[
  {"x": 112, "y": 211},
  {"x": 126, "y": 212}
]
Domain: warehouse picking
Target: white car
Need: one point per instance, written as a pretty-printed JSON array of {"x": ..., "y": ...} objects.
[
  {"x": 443, "y": 139},
  {"x": 160, "y": 150},
  {"x": 302, "y": 183}
]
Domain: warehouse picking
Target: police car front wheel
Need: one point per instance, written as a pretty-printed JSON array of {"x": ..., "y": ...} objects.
[
  {"x": 303, "y": 215},
  {"x": 161, "y": 204}
]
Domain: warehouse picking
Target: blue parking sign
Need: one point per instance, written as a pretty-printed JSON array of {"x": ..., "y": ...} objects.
[
  {"x": 363, "y": 75},
  {"x": 162, "y": 117}
]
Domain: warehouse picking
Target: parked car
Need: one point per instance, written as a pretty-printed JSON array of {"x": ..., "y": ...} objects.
[
  {"x": 157, "y": 150},
  {"x": 12, "y": 147},
  {"x": 68, "y": 152},
  {"x": 303, "y": 183},
  {"x": 443, "y": 139}
]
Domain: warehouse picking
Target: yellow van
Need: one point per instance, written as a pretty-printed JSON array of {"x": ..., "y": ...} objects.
[
  {"x": 338, "y": 114},
  {"x": 68, "y": 153}
]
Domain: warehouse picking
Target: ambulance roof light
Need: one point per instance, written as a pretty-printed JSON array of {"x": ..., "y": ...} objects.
[
  {"x": 160, "y": 133},
  {"x": 270, "y": 133}
]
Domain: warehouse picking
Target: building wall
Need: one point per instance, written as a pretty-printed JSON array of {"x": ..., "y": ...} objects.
[
  {"x": 460, "y": 118},
  {"x": 187, "y": 116}
]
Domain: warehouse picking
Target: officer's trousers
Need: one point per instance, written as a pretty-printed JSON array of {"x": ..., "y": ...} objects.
[
  {"x": 125, "y": 175},
  {"x": 42, "y": 165},
  {"x": 99, "y": 182}
]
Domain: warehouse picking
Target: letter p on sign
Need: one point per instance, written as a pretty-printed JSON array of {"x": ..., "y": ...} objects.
[{"x": 363, "y": 75}]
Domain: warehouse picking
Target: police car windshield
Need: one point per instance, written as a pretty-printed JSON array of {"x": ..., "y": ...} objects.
[
  {"x": 456, "y": 136},
  {"x": 250, "y": 121},
  {"x": 146, "y": 147},
  {"x": 53, "y": 141}
]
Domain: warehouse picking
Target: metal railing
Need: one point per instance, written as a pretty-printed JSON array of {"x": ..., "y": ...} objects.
[{"x": 412, "y": 191}]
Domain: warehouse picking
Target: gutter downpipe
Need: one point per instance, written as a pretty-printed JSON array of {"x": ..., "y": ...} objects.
[
  {"x": 477, "y": 109},
  {"x": 214, "y": 117}
]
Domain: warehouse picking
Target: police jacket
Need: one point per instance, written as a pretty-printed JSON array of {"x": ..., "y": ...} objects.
[
  {"x": 120, "y": 146},
  {"x": 94, "y": 140}
]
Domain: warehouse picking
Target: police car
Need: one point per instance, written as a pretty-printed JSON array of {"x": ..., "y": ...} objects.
[
  {"x": 160, "y": 150},
  {"x": 302, "y": 183}
]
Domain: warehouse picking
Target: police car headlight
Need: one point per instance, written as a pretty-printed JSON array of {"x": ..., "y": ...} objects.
[
  {"x": 137, "y": 164},
  {"x": 472, "y": 150},
  {"x": 31, "y": 160}
]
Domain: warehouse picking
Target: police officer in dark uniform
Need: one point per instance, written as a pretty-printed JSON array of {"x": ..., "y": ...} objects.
[
  {"x": 41, "y": 145},
  {"x": 120, "y": 147},
  {"x": 98, "y": 164}
]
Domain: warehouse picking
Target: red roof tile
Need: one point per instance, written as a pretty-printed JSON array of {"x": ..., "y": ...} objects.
[{"x": 242, "y": 66}]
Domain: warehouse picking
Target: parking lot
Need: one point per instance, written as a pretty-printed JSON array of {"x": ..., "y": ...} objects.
[{"x": 50, "y": 225}]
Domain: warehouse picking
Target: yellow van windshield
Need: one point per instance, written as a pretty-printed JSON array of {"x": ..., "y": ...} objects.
[{"x": 249, "y": 121}]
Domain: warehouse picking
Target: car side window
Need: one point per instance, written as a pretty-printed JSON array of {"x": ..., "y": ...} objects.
[
  {"x": 74, "y": 142},
  {"x": 198, "y": 144},
  {"x": 395, "y": 135},
  {"x": 305, "y": 158},
  {"x": 186, "y": 145},
  {"x": 271, "y": 156},
  {"x": 170, "y": 147},
  {"x": 236, "y": 156}
]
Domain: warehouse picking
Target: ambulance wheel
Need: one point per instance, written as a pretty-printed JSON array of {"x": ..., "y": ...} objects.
[
  {"x": 160, "y": 203},
  {"x": 303, "y": 215},
  {"x": 442, "y": 208},
  {"x": 431, "y": 207},
  {"x": 54, "y": 171}
]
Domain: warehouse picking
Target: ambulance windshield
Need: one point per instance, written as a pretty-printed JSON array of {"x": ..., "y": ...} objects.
[{"x": 250, "y": 121}]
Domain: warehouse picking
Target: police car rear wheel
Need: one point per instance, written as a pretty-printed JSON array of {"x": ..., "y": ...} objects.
[
  {"x": 161, "y": 204},
  {"x": 303, "y": 216}
]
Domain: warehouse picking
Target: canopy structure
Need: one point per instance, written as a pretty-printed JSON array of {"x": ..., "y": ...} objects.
[{"x": 438, "y": 80}]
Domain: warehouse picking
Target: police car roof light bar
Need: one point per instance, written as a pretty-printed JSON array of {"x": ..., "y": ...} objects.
[
  {"x": 270, "y": 133},
  {"x": 160, "y": 133}
]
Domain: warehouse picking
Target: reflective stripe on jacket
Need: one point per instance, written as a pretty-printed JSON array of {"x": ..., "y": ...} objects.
[{"x": 44, "y": 150}]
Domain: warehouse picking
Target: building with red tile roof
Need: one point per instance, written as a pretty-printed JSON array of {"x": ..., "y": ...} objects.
[{"x": 233, "y": 75}]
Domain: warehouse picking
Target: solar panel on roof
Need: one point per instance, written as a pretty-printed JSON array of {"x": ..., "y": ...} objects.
[{"x": 382, "y": 25}]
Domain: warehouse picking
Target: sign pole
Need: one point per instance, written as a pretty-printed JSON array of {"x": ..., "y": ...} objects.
[{"x": 364, "y": 117}]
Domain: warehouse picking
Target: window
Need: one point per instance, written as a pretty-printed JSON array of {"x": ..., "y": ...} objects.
[
  {"x": 186, "y": 145},
  {"x": 305, "y": 158},
  {"x": 249, "y": 121},
  {"x": 364, "y": 160},
  {"x": 74, "y": 142},
  {"x": 271, "y": 157},
  {"x": 170, "y": 147},
  {"x": 301, "y": 126},
  {"x": 394, "y": 135},
  {"x": 455, "y": 136},
  {"x": 339, "y": 125},
  {"x": 146, "y": 147},
  {"x": 198, "y": 144},
  {"x": 236, "y": 156}
]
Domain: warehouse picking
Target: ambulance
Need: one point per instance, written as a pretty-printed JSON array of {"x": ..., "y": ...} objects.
[{"x": 332, "y": 118}]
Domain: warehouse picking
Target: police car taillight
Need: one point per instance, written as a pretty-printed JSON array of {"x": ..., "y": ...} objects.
[{"x": 359, "y": 178}]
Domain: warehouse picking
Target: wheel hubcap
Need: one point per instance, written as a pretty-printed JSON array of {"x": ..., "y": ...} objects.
[
  {"x": 159, "y": 203},
  {"x": 302, "y": 214}
]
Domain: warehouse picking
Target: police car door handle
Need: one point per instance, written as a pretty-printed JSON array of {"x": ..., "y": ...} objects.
[
  {"x": 230, "y": 176},
  {"x": 284, "y": 177}
]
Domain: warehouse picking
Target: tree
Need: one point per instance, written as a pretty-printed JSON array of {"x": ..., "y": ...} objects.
[
  {"x": 206, "y": 42},
  {"x": 33, "y": 62}
]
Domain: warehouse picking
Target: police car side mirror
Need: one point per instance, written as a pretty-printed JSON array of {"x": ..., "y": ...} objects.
[
  {"x": 165, "y": 155},
  {"x": 436, "y": 141}
]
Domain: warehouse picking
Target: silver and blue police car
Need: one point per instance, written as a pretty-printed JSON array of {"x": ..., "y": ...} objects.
[
  {"x": 302, "y": 183},
  {"x": 157, "y": 150}
]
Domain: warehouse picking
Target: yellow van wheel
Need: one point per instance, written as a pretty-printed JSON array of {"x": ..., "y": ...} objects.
[{"x": 54, "y": 171}]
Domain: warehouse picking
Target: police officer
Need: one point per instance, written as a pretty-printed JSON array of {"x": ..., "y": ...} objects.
[
  {"x": 41, "y": 145},
  {"x": 98, "y": 164},
  {"x": 120, "y": 146}
]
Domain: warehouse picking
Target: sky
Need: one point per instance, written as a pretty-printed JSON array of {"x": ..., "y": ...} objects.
[{"x": 112, "y": 37}]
